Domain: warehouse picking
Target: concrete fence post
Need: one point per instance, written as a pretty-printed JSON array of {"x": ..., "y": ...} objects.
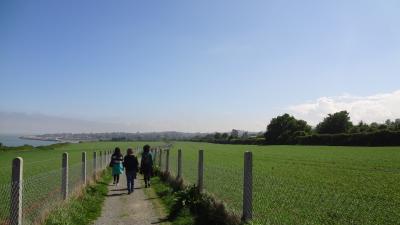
[
  {"x": 106, "y": 160},
  {"x": 200, "y": 172},
  {"x": 16, "y": 191},
  {"x": 155, "y": 157},
  {"x": 160, "y": 162},
  {"x": 167, "y": 162},
  {"x": 84, "y": 178},
  {"x": 100, "y": 160},
  {"x": 94, "y": 166},
  {"x": 179, "y": 164},
  {"x": 64, "y": 176},
  {"x": 248, "y": 187}
]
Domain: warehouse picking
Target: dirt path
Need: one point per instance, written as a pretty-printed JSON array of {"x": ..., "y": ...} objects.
[{"x": 134, "y": 209}]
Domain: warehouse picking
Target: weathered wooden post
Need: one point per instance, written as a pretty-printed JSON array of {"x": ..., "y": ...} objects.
[
  {"x": 94, "y": 166},
  {"x": 179, "y": 176},
  {"x": 200, "y": 172},
  {"x": 167, "y": 162},
  {"x": 64, "y": 176},
  {"x": 84, "y": 178},
  {"x": 16, "y": 191},
  {"x": 248, "y": 187}
]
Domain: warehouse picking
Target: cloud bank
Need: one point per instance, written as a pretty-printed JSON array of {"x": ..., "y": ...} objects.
[{"x": 374, "y": 108}]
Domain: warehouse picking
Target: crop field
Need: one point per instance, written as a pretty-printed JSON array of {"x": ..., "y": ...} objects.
[
  {"x": 292, "y": 184},
  {"x": 302, "y": 184},
  {"x": 42, "y": 175}
]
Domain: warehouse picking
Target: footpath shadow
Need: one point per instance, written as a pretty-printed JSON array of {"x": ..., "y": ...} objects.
[
  {"x": 120, "y": 189},
  {"x": 160, "y": 220},
  {"x": 115, "y": 194},
  {"x": 101, "y": 182}
]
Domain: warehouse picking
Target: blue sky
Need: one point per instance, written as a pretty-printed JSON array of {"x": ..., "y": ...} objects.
[{"x": 197, "y": 65}]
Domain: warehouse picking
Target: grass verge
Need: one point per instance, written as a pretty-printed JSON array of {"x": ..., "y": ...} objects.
[
  {"x": 84, "y": 208},
  {"x": 168, "y": 198},
  {"x": 186, "y": 205}
]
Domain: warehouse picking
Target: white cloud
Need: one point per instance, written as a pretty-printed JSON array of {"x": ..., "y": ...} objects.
[{"x": 374, "y": 108}]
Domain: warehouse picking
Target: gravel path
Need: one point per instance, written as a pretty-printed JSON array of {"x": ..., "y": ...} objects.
[{"x": 134, "y": 209}]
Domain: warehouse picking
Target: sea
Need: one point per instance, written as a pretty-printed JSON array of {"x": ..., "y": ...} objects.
[{"x": 14, "y": 140}]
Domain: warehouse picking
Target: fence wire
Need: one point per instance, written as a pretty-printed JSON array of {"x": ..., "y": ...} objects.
[
  {"x": 41, "y": 193},
  {"x": 305, "y": 199},
  {"x": 74, "y": 178},
  {"x": 5, "y": 190},
  {"x": 222, "y": 179},
  {"x": 225, "y": 182},
  {"x": 41, "y": 187}
]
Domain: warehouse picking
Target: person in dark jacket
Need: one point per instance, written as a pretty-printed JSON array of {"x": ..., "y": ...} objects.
[
  {"x": 131, "y": 165},
  {"x": 146, "y": 165}
]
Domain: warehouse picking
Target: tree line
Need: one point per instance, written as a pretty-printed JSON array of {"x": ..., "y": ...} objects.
[{"x": 335, "y": 129}]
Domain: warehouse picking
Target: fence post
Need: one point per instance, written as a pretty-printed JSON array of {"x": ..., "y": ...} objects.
[
  {"x": 200, "y": 183},
  {"x": 64, "y": 176},
  {"x": 160, "y": 160},
  {"x": 248, "y": 187},
  {"x": 179, "y": 164},
  {"x": 84, "y": 178},
  {"x": 105, "y": 159},
  {"x": 167, "y": 162},
  {"x": 100, "y": 160},
  {"x": 155, "y": 157},
  {"x": 16, "y": 191},
  {"x": 94, "y": 165}
]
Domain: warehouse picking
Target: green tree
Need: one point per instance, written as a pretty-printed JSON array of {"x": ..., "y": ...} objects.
[
  {"x": 234, "y": 134},
  {"x": 217, "y": 136},
  {"x": 225, "y": 136},
  {"x": 284, "y": 129},
  {"x": 335, "y": 123}
]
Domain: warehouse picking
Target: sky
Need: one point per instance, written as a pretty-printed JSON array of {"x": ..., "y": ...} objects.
[{"x": 194, "y": 66}]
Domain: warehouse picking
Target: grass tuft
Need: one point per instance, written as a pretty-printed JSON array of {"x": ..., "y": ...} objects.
[{"x": 83, "y": 209}]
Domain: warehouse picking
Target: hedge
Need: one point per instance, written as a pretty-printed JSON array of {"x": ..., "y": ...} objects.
[{"x": 378, "y": 138}]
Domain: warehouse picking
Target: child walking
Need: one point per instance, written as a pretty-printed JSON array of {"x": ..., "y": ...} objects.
[{"x": 131, "y": 165}]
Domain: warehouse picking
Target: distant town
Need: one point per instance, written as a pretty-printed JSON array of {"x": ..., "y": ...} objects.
[{"x": 121, "y": 136}]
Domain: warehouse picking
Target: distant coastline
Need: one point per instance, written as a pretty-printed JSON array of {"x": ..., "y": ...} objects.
[
  {"x": 37, "y": 138},
  {"x": 14, "y": 140}
]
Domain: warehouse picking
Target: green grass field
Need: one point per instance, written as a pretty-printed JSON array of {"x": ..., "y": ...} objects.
[
  {"x": 292, "y": 184},
  {"x": 303, "y": 184}
]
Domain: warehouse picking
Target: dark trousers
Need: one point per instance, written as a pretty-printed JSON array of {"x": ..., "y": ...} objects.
[
  {"x": 130, "y": 180},
  {"x": 147, "y": 176},
  {"x": 116, "y": 179}
]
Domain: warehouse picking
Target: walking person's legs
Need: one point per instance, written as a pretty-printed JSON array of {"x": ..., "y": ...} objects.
[
  {"x": 115, "y": 179},
  {"x": 129, "y": 181},
  {"x": 146, "y": 179}
]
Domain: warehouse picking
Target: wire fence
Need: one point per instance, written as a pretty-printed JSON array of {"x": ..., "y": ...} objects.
[
  {"x": 281, "y": 192},
  {"x": 43, "y": 191}
]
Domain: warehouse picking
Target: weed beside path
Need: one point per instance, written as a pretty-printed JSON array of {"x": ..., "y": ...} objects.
[{"x": 84, "y": 208}]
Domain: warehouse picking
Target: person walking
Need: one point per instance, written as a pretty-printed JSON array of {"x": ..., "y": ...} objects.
[
  {"x": 146, "y": 165},
  {"x": 116, "y": 163},
  {"x": 131, "y": 165}
]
